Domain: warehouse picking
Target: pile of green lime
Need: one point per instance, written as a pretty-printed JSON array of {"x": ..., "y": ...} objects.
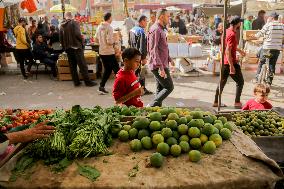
[{"x": 173, "y": 131}]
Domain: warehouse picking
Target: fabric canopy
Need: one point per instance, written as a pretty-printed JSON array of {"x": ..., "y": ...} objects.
[{"x": 58, "y": 8}]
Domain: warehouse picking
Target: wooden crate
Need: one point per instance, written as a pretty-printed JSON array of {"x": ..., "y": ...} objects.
[
  {"x": 247, "y": 33},
  {"x": 68, "y": 77},
  {"x": 62, "y": 63},
  {"x": 63, "y": 70}
]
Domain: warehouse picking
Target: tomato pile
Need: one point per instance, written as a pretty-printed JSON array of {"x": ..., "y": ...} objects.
[{"x": 13, "y": 118}]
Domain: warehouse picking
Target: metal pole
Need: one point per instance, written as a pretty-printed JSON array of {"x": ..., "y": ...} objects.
[
  {"x": 223, "y": 51},
  {"x": 63, "y": 8}
]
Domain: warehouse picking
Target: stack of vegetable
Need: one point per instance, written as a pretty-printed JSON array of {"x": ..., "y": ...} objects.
[
  {"x": 174, "y": 131},
  {"x": 80, "y": 132},
  {"x": 259, "y": 123},
  {"x": 11, "y": 119}
]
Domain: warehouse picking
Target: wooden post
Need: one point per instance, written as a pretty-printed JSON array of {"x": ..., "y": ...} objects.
[
  {"x": 241, "y": 42},
  {"x": 223, "y": 52},
  {"x": 63, "y": 8},
  {"x": 125, "y": 5}
]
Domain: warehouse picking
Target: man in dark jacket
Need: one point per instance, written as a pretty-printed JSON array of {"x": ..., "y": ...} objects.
[
  {"x": 138, "y": 40},
  {"x": 42, "y": 53},
  {"x": 258, "y": 23},
  {"x": 72, "y": 42}
]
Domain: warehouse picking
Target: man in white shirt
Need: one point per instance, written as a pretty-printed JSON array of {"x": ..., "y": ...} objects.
[
  {"x": 273, "y": 33},
  {"x": 104, "y": 37}
]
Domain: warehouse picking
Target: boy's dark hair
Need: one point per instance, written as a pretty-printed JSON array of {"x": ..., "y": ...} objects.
[
  {"x": 161, "y": 12},
  {"x": 130, "y": 53},
  {"x": 107, "y": 16},
  {"x": 261, "y": 88}
]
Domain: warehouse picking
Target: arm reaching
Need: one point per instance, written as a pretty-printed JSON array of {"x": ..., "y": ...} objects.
[{"x": 137, "y": 92}]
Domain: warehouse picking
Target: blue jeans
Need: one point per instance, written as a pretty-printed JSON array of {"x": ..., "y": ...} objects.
[
  {"x": 272, "y": 63},
  {"x": 164, "y": 87}
]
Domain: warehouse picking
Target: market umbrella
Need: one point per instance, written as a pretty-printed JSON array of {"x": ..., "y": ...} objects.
[{"x": 58, "y": 8}]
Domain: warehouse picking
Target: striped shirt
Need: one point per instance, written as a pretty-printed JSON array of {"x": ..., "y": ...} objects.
[{"x": 273, "y": 33}]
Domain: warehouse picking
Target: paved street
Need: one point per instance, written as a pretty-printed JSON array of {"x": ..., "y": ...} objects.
[{"x": 189, "y": 91}]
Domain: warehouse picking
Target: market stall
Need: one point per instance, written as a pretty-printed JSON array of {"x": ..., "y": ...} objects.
[{"x": 229, "y": 159}]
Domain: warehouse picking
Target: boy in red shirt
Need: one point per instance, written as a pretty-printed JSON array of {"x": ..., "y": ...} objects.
[
  {"x": 126, "y": 88},
  {"x": 260, "y": 102}
]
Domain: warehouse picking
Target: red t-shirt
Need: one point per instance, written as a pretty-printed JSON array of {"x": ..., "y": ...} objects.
[
  {"x": 126, "y": 82},
  {"x": 254, "y": 105},
  {"x": 231, "y": 41}
]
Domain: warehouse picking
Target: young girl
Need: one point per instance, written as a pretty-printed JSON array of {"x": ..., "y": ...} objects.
[
  {"x": 260, "y": 102},
  {"x": 126, "y": 88}
]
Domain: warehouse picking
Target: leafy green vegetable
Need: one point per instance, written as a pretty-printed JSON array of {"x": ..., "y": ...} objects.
[
  {"x": 24, "y": 162},
  {"x": 88, "y": 172},
  {"x": 62, "y": 165},
  {"x": 80, "y": 132}
]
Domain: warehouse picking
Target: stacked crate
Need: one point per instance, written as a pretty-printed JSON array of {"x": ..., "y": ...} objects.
[{"x": 63, "y": 67}]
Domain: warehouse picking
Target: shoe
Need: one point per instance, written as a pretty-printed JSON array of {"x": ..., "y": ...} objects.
[
  {"x": 147, "y": 92},
  {"x": 78, "y": 84},
  {"x": 215, "y": 105},
  {"x": 102, "y": 91},
  {"x": 90, "y": 83},
  {"x": 238, "y": 105}
]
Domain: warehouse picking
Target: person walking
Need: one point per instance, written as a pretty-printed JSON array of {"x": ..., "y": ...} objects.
[
  {"x": 151, "y": 22},
  {"x": 138, "y": 40},
  {"x": 231, "y": 66},
  {"x": 72, "y": 42},
  {"x": 104, "y": 37},
  {"x": 23, "y": 51},
  {"x": 159, "y": 58},
  {"x": 273, "y": 33}
]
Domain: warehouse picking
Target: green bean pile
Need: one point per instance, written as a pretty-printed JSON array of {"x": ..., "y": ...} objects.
[{"x": 80, "y": 132}]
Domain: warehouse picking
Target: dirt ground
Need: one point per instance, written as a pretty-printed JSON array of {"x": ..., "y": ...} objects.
[{"x": 189, "y": 91}]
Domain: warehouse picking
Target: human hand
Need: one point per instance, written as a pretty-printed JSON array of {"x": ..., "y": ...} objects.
[
  {"x": 40, "y": 131},
  {"x": 144, "y": 61},
  {"x": 243, "y": 53},
  {"x": 141, "y": 91},
  {"x": 163, "y": 74},
  {"x": 173, "y": 63},
  {"x": 232, "y": 70}
]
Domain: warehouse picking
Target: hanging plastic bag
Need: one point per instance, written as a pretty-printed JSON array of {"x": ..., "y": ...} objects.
[{"x": 29, "y": 5}]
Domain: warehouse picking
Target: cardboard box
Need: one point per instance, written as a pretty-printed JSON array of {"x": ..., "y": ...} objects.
[
  {"x": 248, "y": 33},
  {"x": 250, "y": 60},
  {"x": 173, "y": 38},
  {"x": 192, "y": 39}
]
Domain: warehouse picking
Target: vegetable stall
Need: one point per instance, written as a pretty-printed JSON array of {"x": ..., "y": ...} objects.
[{"x": 121, "y": 147}]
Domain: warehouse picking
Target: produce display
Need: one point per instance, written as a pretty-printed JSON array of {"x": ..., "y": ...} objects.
[
  {"x": 259, "y": 123},
  {"x": 10, "y": 119},
  {"x": 80, "y": 132},
  {"x": 173, "y": 131}
]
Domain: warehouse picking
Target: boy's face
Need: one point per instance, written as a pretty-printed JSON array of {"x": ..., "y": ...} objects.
[
  {"x": 260, "y": 97},
  {"x": 134, "y": 62}
]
